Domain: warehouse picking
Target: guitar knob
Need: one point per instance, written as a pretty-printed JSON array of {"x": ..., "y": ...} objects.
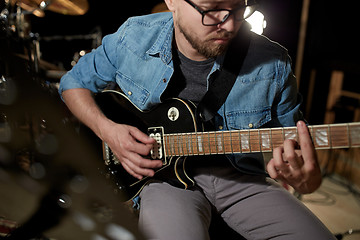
[{"x": 173, "y": 114}]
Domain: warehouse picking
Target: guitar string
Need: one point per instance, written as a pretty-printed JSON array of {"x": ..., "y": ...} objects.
[
  {"x": 258, "y": 135},
  {"x": 337, "y": 135}
]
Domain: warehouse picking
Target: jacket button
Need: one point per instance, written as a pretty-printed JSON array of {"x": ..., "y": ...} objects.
[
  {"x": 251, "y": 125},
  {"x": 129, "y": 93},
  {"x": 164, "y": 80}
]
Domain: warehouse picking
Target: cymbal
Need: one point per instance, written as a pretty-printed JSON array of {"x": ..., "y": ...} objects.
[
  {"x": 66, "y": 7},
  {"x": 30, "y": 7}
]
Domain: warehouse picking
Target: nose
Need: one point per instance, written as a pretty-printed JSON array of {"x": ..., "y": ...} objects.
[{"x": 229, "y": 24}]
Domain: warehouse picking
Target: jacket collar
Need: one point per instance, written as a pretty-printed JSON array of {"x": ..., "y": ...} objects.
[{"x": 162, "y": 46}]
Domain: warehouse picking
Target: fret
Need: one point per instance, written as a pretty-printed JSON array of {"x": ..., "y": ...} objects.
[
  {"x": 265, "y": 136},
  {"x": 231, "y": 143},
  {"x": 272, "y": 145},
  {"x": 249, "y": 139},
  {"x": 277, "y": 137},
  {"x": 212, "y": 137},
  {"x": 271, "y": 141},
  {"x": 214, "y": 142},
  {"x": 184, "y": 144},
  {"x": 348, "y": 134},
  {"x": 245, "y": 141},
  {"x": 320, "y": 135},
  {"x": 206, "y": 143},
  {"x": 354, "y": 131},
  {"x": 195, "y": 141},
  {"x": 168, "y": 145},
  {"x": 218, "y": 142},
  {"x": 311, "y": 131},
  {"x": 240, "y": 144},
  {"x": 200, "y": 143},
  {"x": 329, "y": 132},
  {"x": 194, "y": 149},
  {"x": 290, "y": 133},
  {"x": 227, "y": 142},
  {"x": 209, "y": 143},
  {"x": 189, "y": 144},
  {"x": 235, "y": 141},
  {"x": 173, "y": 145},
  {"x": 260, "y": 142},
  {"x": 180, "y": 145},
  {"x": 223, "y": 141},
  {"x": 339, "y": 136},
  {"x": 177, "y": 142},
  {"x": 254, "y": 140}
]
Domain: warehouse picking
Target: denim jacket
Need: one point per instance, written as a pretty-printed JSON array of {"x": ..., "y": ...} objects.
[{"x": 138, "y": 58}]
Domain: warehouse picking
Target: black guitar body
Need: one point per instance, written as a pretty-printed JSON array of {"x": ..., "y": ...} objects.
[{"x": 172, "y": 116}]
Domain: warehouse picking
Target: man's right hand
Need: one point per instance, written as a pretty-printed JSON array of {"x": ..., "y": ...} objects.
[{"x": 130, "y": 146}]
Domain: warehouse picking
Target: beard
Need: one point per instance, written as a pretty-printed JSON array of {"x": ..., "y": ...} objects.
[{"x": 207, "y": 47}]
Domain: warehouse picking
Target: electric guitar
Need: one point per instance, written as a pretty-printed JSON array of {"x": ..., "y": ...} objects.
[{"x": 172, "y": 124}]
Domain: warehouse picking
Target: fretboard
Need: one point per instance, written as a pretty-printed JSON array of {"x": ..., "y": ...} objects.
[{"x": 328, "y": 136}]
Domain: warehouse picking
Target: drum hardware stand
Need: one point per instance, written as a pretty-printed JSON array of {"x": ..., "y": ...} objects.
[
  {"x": 340, "y": 236},
  {"x": 34, "y": 52}
]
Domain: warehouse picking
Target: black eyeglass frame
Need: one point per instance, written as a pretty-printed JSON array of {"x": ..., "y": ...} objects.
[{"x": 204, "y": 12}]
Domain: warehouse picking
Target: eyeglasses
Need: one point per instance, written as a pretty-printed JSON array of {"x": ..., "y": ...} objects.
[{"x": 214, "y": 17}]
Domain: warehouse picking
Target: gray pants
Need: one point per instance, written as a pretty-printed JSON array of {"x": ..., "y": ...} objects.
[{"x": 254, "y": 206}]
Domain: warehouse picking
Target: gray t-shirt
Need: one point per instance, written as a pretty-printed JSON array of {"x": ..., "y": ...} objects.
[{"x": 189, "y": 80}]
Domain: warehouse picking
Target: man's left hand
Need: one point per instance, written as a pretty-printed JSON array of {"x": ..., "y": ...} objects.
[{"x": 296, "y": 164}]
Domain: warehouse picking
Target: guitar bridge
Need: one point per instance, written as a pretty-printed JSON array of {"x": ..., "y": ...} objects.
[{"x": 158, "y": 149}]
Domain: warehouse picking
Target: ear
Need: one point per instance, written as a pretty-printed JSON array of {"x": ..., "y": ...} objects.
[{"x": 170, "y": 5}]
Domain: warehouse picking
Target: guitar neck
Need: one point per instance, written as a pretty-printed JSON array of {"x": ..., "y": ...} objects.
[{"x": 328, "y": 136}]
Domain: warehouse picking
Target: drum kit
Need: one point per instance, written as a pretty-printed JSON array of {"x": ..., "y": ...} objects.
[
  {"x": 15, "y": 27},
  {"x": 49, "y": 173}
]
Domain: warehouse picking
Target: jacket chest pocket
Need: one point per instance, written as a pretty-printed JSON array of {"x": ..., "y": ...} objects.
[
  {"x": 137, "y": 94},
  {"x": 248, "y": 119}
]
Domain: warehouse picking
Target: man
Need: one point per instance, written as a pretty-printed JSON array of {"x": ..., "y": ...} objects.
[{"x": 178, "y": 54}]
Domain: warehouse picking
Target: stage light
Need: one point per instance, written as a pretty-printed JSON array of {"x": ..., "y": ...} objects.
[{"x": 257, "y": 22}]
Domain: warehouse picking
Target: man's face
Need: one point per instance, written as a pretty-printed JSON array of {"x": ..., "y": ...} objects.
[{"x": 195, "y": 38}]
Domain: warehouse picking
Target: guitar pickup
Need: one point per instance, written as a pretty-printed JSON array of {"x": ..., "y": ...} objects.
[
  {"x": 108, "y": 156},
  {"x": 158, "y": 149}
]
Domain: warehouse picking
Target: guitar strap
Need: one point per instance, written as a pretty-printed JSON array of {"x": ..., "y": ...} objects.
[{"x": 221, "y": 86}]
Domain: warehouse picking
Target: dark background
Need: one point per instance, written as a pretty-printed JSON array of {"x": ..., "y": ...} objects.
[{"x": 331, "y": 39}]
